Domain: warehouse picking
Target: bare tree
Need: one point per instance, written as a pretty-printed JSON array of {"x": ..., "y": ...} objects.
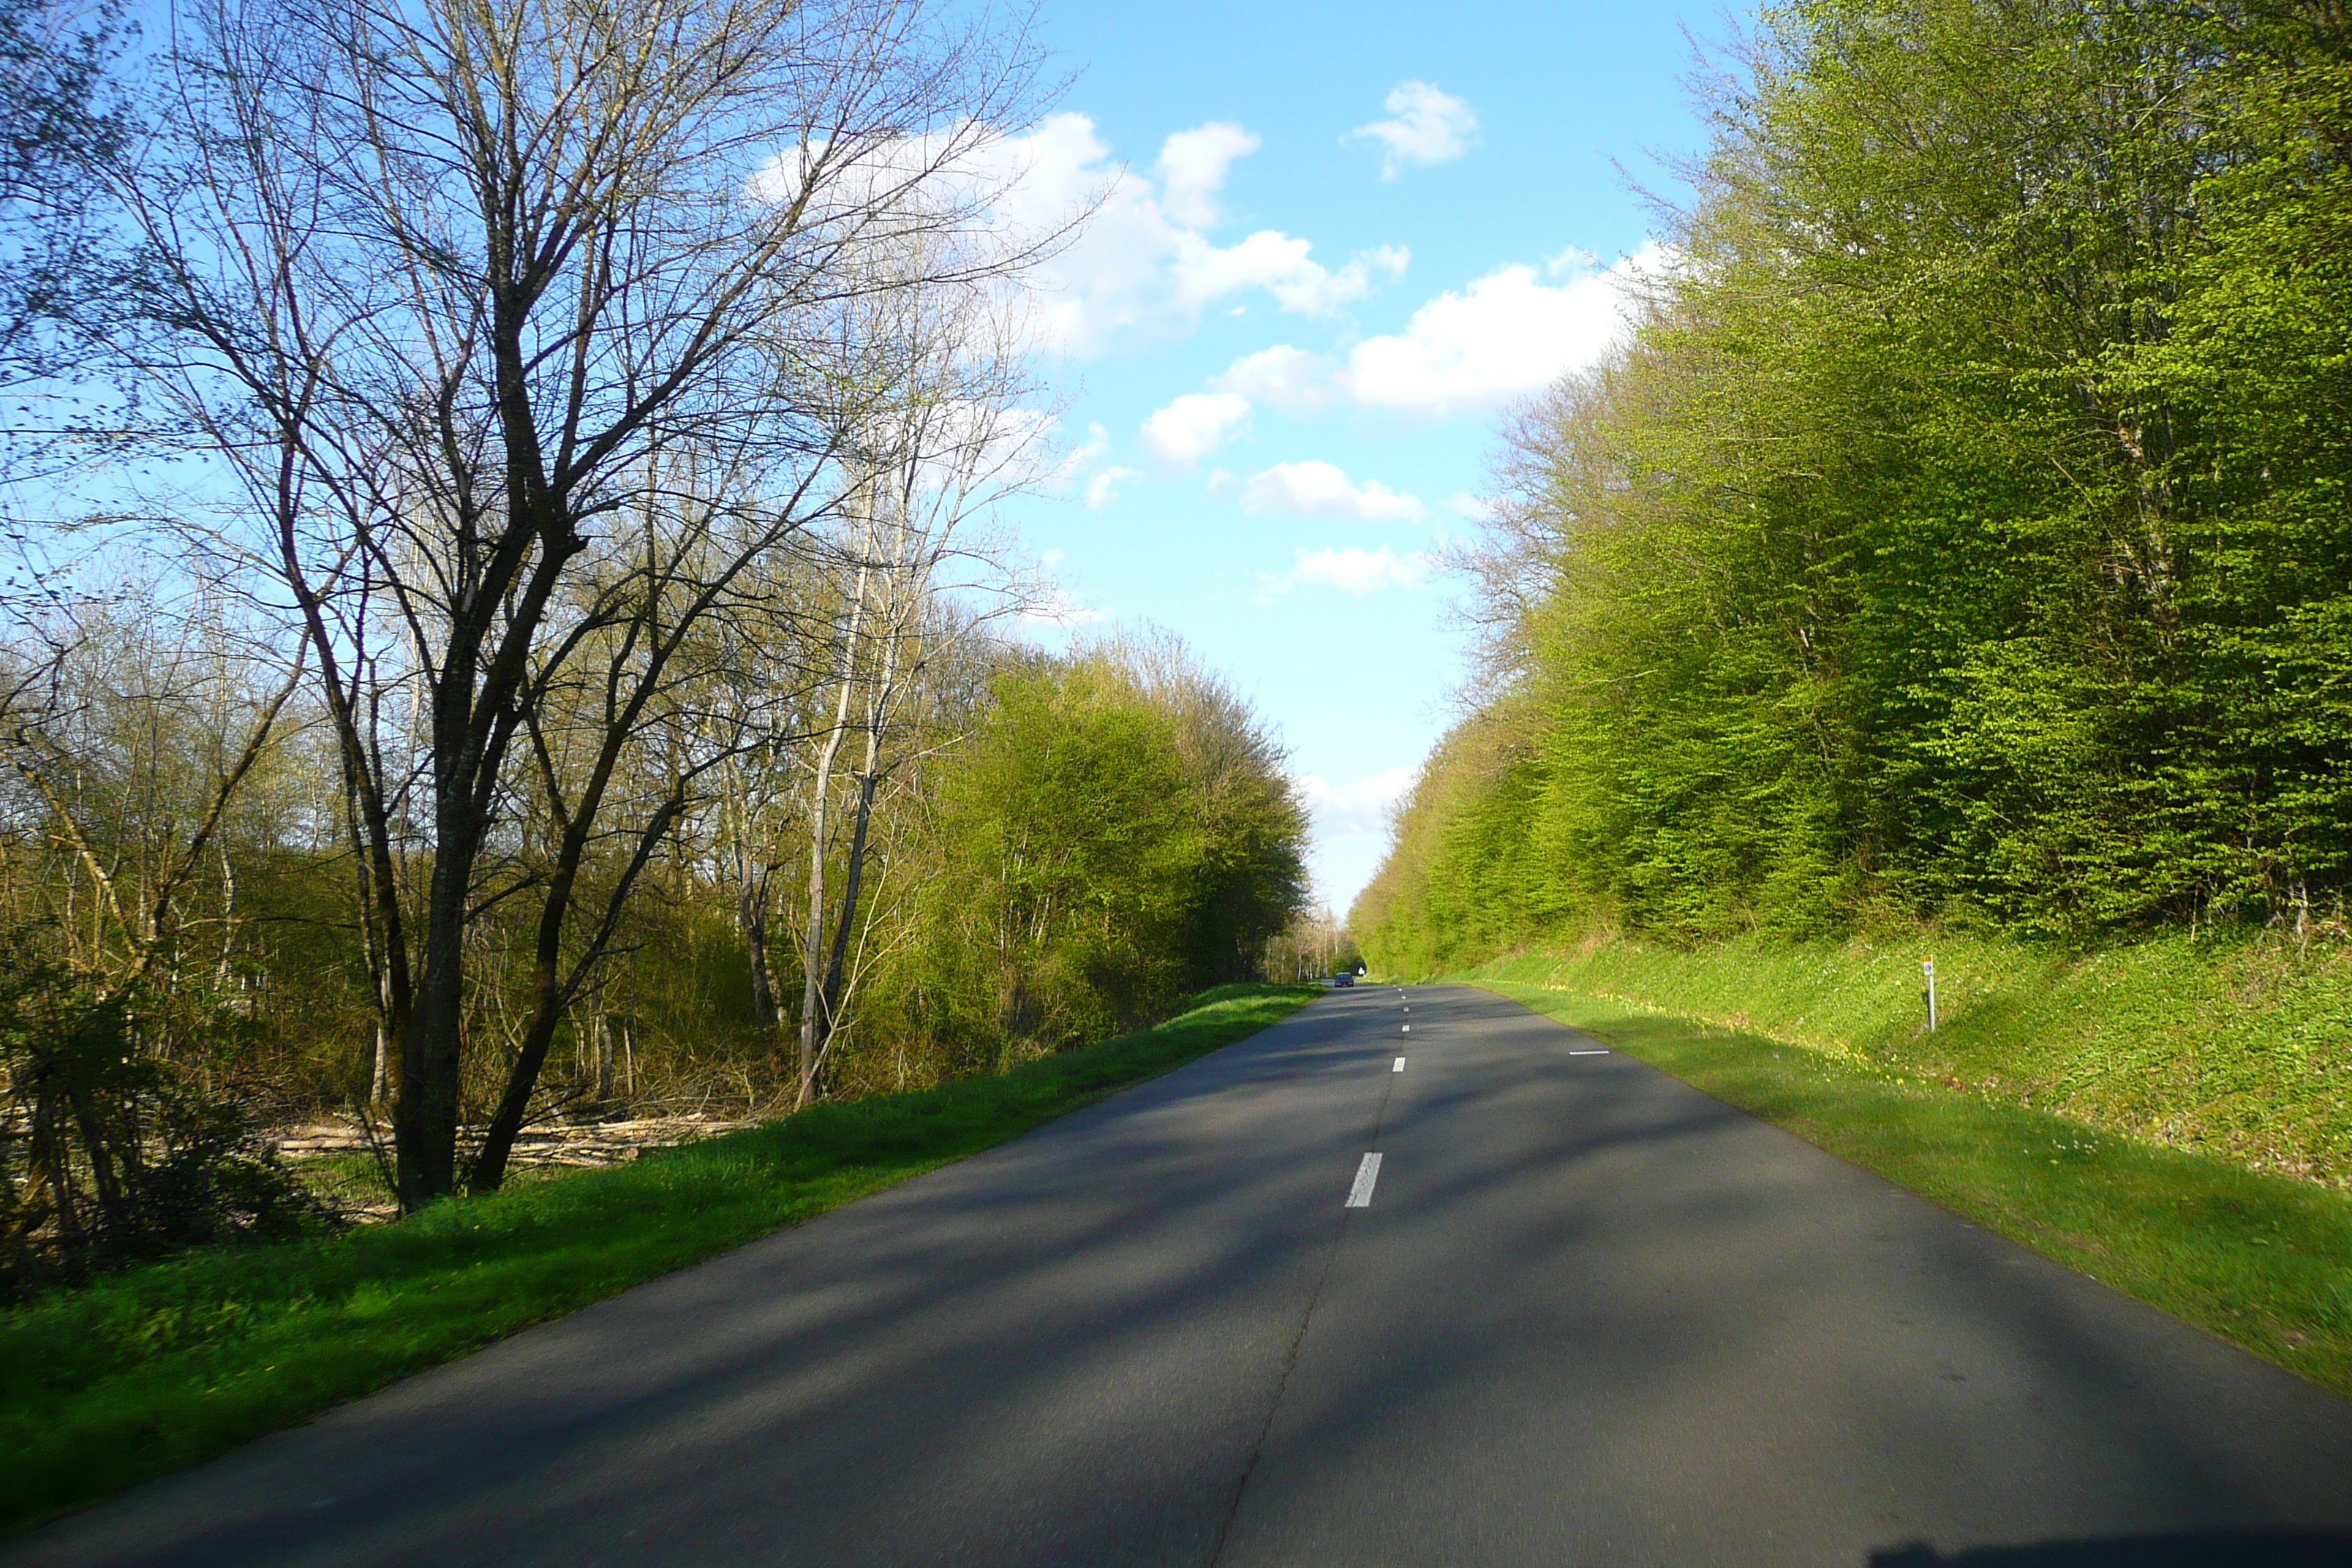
[
  {"x": 449, "y": 280},
  {"x": 946, "y": 447}
]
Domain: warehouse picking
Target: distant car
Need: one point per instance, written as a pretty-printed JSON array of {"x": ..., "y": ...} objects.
[{"x": 1343, "y": 979}]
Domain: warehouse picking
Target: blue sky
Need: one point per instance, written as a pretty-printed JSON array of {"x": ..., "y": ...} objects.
[
  {"x": 1334, "y": 243},
  {"x": 1341, "y": 239}
]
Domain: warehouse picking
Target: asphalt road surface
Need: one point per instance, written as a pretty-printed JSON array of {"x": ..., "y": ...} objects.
[{"x": 1575, "y": 1313}]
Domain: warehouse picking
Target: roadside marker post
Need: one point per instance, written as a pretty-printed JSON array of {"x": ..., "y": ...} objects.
[{"x": 1929, "y": 964}]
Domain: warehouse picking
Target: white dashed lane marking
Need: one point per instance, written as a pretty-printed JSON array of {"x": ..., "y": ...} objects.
[
  {"x": 1359, "y": 1197},
  {"x": 1588, "y": 1053},
  {"x": 1400, "y": 1067}
]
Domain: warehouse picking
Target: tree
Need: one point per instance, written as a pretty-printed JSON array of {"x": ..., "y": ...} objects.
[
  {"x": 510, "y": 322},
  {"x": 1117, "y": 833},
  {"x": 59, "y": 135},
  {"x": 949, "y": 444},
  {"x": 1960, "y": 534}
]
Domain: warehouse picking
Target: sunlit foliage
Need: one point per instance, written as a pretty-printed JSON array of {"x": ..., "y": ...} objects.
[{"x": 1962, "y": 534}]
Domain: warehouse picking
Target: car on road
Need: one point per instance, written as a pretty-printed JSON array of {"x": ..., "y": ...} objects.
[{"x": 1342, "y": 978}]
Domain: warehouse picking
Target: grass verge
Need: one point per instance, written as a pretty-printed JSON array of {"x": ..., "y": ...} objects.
[
  {"x": 157, "y": 1367},
  {"x": 2262, "y": 1260},
  {"x": 2237, "y": 1045}
]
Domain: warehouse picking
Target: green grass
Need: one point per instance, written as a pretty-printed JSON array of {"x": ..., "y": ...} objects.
[
  {"x": 2239, "y": 1046},
  {"x": 158, "y": 1367},
  {"x": 2260, "y": 1260}
]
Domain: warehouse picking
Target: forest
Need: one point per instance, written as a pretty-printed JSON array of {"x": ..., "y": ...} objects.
[
  {"x": 503, "y": 618},
  {"x": 1960, "y": 537}
]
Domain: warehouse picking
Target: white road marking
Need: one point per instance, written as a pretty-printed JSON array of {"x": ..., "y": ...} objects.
[
  {"x": 1408, "y": 1028},
  {"x": 1400, "y": 1067},
  {"x": 1588, "y": 1053},
  {"x": 1359, "y": 1197}
]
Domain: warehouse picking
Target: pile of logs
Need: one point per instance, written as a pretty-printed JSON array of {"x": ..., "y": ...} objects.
[{"x": 552, "y": 1144}]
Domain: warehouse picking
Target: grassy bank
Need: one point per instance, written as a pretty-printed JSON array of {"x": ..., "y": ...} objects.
[
  {"x": 158, "y": 1367},
  {"x": 2261, "y": 1259},
  {"x": 2237, "y": 1048}
]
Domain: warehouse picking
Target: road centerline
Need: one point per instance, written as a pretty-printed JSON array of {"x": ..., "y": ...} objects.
[{"x": 1368, "y": 1176}]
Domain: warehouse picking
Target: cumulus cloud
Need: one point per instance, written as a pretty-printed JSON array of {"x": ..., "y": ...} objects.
[
  {"x": 1102, "y": 489},
  {"x": 1194, "y": 426},
  {"x": 1323, "y": 489},
  {"x": 1192, "y": 165},
  {"x": 1361, "y": 806},
  {"x": 1284, "y": 377},
  {"x": 1507, "y": 334},
  {"x": 1142, "y": 263},
  {"x": 1424, "y": 126},
  {"x": 1504, "y": 336},
  {"x": 1347, "y": 569},
  {"x": 1354, "y": 571},
  {"x": 1281, "y": 265}
]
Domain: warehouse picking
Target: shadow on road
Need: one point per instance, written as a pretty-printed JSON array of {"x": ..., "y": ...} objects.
[{"x": 2221, "y": 1549}]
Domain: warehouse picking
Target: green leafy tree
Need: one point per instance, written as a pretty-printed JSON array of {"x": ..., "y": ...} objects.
[{"x": 1961, "y": 532}]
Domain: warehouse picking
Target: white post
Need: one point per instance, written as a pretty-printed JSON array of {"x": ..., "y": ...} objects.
[{"x": 1929, "y": 965}]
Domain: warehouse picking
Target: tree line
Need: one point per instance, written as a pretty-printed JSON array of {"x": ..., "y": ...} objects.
[
  {"x": 1960, "y": 533},
  {"x": 504, "y": 611}
]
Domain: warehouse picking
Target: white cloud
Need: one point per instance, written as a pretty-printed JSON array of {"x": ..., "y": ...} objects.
[
  {"x": 1477, "y": 509},
  {"x": 1424, "y": 126},
  {"x": 1079, "y": 459},
  {"x": 1140, "y": 264},
  {"x": 1285, "y": 377},
  {"x": 1192, "y": 165},
  {"x": 1058, "y": 607},
  {"x": 1362, "y": 806},
  {"x": 1504, "y": 336},
  {"x": 1194, "y": 426},
  {"x": 1575, "y": 258},
  {"x": 1103, "y": 487},
  {"x": 1323, "y": 489},
  {"x": 1347, "y": 569},
  {"x": 1281, "y": 265},
  {"x": 1354, "y": 571}
]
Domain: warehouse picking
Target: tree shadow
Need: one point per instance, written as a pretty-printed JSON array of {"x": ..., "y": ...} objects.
[{"x": 2199, "y": 1548}]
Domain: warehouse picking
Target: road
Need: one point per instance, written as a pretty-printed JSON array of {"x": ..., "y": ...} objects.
[{"x": 1584, "y": 1315}]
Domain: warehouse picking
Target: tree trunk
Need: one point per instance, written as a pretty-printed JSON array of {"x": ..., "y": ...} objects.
[
  {"x": 813, "y": 935},
  {"x": 380, "y": 1079},
  {"x": 553, "y": 990},
  {"x": 869, "y": 777},
  {"x": 812, "y": 946},
  {"x": 751, "y": 924},
  {"x": 547, "y": 1015},
  {"x": 853, "y": 878},
  {"x": 425, "y": 1116}
]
